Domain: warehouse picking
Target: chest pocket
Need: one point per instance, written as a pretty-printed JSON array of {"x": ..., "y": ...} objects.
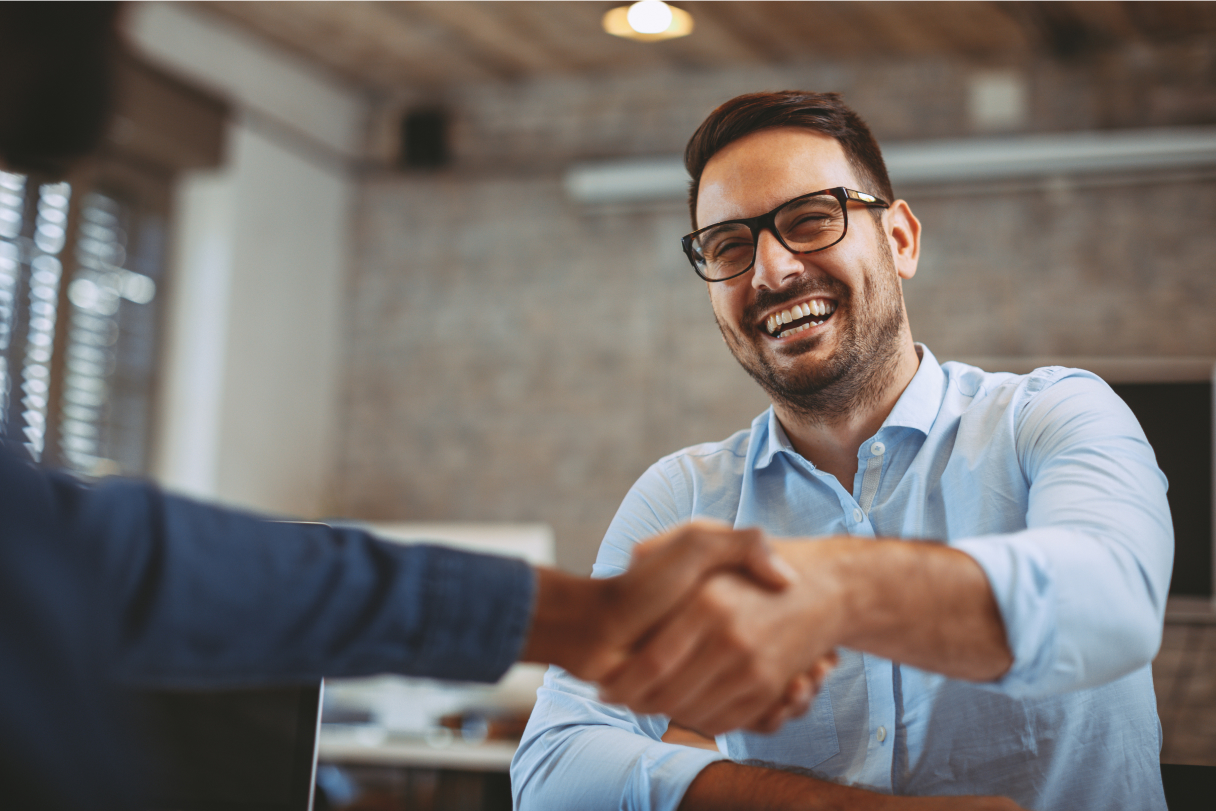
[{"x": 803, "y": 742}]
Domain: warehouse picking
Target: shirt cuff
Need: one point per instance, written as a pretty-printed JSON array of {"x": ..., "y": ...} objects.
[
  {"x": 478, "y": 612},
  {"x": 1021, "y": 580}
]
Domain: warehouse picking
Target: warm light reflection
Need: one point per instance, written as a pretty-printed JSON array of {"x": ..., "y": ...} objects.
[{"x": 648, "y": 21}]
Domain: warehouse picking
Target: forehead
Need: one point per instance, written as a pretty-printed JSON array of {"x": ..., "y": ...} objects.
[{"x": 764, "y": 169}]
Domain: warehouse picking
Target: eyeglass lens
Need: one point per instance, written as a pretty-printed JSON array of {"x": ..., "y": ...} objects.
[{"x": 806, "y": 224}]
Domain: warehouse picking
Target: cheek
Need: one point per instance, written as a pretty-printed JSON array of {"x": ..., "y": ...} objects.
[{"x": 724, "y": 305}]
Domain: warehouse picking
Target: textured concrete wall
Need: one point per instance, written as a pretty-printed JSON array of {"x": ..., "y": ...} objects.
[{"x": 514, "y": 356}]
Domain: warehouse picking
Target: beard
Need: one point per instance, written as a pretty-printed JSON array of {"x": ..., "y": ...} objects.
[{"x": 866, "y": 360}]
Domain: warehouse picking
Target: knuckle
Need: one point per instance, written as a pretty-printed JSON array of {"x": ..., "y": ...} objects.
[
  {"x": 648, "y": 666},
  {"x": 737, "y": 645}
]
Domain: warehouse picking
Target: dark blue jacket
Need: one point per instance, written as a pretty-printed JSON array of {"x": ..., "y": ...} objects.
[{"x": 120, "y": 586}]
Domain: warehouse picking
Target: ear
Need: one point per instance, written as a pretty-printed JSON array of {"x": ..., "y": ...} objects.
[{"x": 903, "y": 234}]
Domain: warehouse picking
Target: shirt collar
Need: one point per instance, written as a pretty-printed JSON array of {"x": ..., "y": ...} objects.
[{"x": 916, "y": 408}]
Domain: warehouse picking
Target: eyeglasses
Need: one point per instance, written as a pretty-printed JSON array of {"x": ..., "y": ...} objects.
[{"x": 805, "y": 224}]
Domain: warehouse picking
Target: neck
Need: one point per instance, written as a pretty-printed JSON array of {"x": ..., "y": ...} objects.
[{"x": 830, "y": 440}]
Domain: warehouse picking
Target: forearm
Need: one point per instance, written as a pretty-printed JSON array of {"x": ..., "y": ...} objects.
[
  {"x": 579, "y": 753},
  {"x": 206, "y": 597},
  {"x": 727, "y": 786},
  {"x": 922, "y": 604}
]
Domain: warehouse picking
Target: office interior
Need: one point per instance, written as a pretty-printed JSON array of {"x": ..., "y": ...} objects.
[{"x": 418, "y": 263}]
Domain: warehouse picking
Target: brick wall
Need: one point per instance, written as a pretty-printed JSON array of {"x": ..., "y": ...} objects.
[{"x": 514, "y": 356}]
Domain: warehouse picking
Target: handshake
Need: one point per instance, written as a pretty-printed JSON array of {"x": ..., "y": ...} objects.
[{"x": 709, "y": 626}]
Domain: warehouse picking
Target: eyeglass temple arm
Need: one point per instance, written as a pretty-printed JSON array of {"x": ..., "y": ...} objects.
[{"x": 862, "y": 197}]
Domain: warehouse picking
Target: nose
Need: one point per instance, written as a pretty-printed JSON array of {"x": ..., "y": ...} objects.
[{"x": 775, "y": 266}]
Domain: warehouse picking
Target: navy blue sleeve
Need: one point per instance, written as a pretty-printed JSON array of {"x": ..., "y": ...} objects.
[
  {"x": 118, "y": 587},
  {"x": 200, "y": 596}
]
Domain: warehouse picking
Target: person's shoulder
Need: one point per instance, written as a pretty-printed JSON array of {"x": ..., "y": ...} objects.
[
  {"x": 1047, "y": 395},
  {"x": 989, "y": 388},
  {"x": 706, "y": 465},
  {"x": 730, "y": 452}
]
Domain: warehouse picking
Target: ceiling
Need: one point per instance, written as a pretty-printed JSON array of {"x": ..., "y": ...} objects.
[{"x": 405, "y": 46}]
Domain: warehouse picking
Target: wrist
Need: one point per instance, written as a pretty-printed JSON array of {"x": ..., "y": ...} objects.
[
  {"x": 568, "y": 622},
  {"x": 827, "y": 578}
]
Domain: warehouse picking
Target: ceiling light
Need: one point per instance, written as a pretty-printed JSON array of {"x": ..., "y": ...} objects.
[{"x": 648, "y": 21}]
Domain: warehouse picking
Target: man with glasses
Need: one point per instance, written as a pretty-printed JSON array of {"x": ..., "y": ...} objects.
[{"x": 987, "y": 555}]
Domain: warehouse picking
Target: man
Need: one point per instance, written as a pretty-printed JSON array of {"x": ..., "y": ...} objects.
[
  {"x": 108, "y": 589},
  {"x": 1002, "y": 647}
]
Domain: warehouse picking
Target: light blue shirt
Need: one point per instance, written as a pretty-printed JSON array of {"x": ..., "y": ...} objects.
[{"x": 1048, "y": 482}]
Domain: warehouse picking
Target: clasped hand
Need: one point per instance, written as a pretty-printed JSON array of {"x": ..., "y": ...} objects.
[{"x": 708, "y": 627}]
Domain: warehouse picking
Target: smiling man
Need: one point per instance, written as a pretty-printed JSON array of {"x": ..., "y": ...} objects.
[{"x": 987, "y": 554}]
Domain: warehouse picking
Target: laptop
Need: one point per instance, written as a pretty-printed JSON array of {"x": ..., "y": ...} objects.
[{"x": 231, "y": 750}]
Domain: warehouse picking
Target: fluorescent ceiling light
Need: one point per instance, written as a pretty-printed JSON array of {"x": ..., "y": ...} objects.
[{"x": 974, "y": 160}]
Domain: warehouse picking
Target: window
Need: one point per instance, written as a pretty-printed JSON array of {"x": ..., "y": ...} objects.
[
  {"x": 82, "y": 281},
  {"x": 81, "y": 270}
]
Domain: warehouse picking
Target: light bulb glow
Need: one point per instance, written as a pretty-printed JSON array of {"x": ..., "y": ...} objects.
[
  {"x": 648, "y": 21},
  {"x": 649, "y": 16}
]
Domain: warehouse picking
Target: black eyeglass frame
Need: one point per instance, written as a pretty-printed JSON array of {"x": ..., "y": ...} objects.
[{"x": 769, "y": 221}]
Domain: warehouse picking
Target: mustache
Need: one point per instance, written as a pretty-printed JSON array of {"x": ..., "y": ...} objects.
[{"x": 767, "y": 300}]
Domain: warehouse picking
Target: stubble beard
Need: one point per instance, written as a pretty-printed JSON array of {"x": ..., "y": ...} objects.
[{"x": 866, "y": 360}]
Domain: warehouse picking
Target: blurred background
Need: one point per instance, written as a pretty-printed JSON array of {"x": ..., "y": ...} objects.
[
  {"x": 393, "y": 289},
  {"x": 403, "y": 262}
]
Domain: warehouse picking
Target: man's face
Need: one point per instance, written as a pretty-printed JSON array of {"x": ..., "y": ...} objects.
[{"x": 827, "y": 361}]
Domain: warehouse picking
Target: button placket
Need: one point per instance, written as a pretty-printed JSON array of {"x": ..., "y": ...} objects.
[{"x": 870, "y": 479}]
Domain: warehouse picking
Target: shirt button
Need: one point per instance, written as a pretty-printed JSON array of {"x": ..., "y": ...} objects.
[
  {"x": 881, "y": 734},
  {"x": 878, "y": 448},
  {"x": 857, "y": 515}
]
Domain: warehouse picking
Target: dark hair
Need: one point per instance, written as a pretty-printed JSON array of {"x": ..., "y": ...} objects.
[
  {"x": 55, "y": 82},
  {"x": 821, "y": 112}
]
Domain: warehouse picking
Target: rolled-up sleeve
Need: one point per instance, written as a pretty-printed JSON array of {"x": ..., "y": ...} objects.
[
  {"x": 1082, "y": 589},
  {"x": 578, "y": 752}
]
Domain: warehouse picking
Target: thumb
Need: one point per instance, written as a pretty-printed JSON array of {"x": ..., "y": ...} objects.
[
  {"x": 764, "y": 564},
  {"x": 679, "y": 560}
]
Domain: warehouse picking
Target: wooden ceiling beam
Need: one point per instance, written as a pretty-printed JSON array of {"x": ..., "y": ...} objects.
[
  {"x": 362, "y": 38},
  {"x": 489, "y": 32}
]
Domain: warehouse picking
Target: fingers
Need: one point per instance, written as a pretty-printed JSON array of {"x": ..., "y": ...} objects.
[
  {"x": 798, "y": 697},
  {"x": 667, "y": 569},
  {"x": 764, "y": 564},
  {"x": 795, "y": 703},
  {"x": 756, "y": 710},
  {"x": 663, "y": 662},
  {"x": 703, "y": 546}
]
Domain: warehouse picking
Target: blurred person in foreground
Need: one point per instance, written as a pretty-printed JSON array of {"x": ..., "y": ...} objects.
[
  {"x": 108, "y": 589},
  {"x": 993, "y": 551}
]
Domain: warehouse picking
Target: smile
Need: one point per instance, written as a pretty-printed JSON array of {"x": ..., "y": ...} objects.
[{"x": 800, "y": 317}]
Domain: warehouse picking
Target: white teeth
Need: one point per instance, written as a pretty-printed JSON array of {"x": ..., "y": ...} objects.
[{"x": 814, "y": 307}]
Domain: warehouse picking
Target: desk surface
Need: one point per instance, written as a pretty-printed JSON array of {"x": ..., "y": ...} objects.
[{"x": 354, "y": 746}]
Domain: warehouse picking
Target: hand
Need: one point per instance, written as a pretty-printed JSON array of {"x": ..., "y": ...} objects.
[
  {"x": 591, "y": 627},
  {"x": 732, "y": 655}
]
